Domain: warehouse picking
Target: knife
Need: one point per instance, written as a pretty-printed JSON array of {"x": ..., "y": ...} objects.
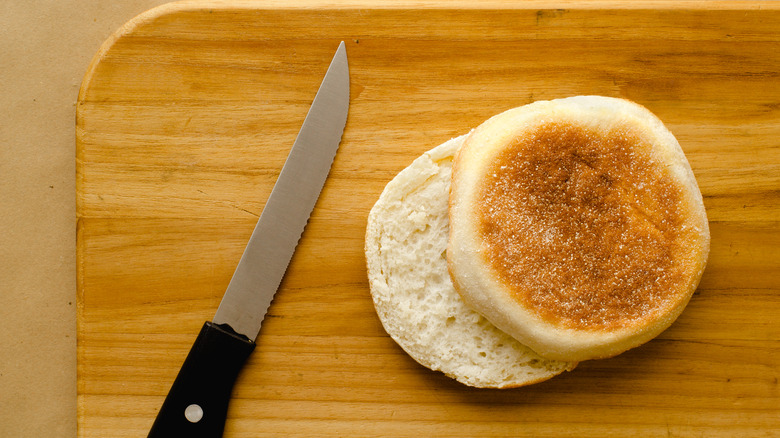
[{"x": 197, "y": 403}]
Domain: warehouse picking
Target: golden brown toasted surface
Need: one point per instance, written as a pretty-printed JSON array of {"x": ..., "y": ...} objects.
[{"x": 586, "y": 227}]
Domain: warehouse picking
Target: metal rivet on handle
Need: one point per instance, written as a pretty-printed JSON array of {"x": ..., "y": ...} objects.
[{"x": 193, "y": 413}]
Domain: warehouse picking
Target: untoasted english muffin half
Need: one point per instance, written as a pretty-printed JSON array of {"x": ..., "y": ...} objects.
[
  {"x": 576, "y": 226},
  {"x": 406, "y": 241}
]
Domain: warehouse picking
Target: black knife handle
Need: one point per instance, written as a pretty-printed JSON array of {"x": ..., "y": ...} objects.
[{"x": 197, "y": 404}]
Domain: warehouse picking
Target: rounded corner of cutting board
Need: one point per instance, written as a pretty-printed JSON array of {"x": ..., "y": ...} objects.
[{"x": 126, "y": 29}]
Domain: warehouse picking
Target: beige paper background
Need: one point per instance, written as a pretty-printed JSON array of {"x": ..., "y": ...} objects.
[{"x": 45, "y": 49}]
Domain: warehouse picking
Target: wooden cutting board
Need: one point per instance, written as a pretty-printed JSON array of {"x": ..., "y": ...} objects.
[{"x": 187, "y": 113}]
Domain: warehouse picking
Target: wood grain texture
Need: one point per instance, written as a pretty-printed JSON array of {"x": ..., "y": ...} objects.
[{"x": 187, "y": 114}]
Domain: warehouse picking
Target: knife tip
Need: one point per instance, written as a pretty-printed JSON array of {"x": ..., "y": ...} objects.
[{"x": 341, "y": 52}]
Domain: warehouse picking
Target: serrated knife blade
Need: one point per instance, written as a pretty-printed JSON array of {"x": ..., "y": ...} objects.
[{"x": 196, "y": 405}]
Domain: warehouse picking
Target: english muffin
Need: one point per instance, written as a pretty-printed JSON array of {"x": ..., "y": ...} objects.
[{"x": 576, "y": 226}]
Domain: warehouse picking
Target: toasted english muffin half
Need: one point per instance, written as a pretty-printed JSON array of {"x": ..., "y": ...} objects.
[{"x": 576, "y": 226}]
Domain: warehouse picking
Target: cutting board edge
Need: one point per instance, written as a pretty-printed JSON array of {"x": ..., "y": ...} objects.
[{"x": 183, "y": 5}]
